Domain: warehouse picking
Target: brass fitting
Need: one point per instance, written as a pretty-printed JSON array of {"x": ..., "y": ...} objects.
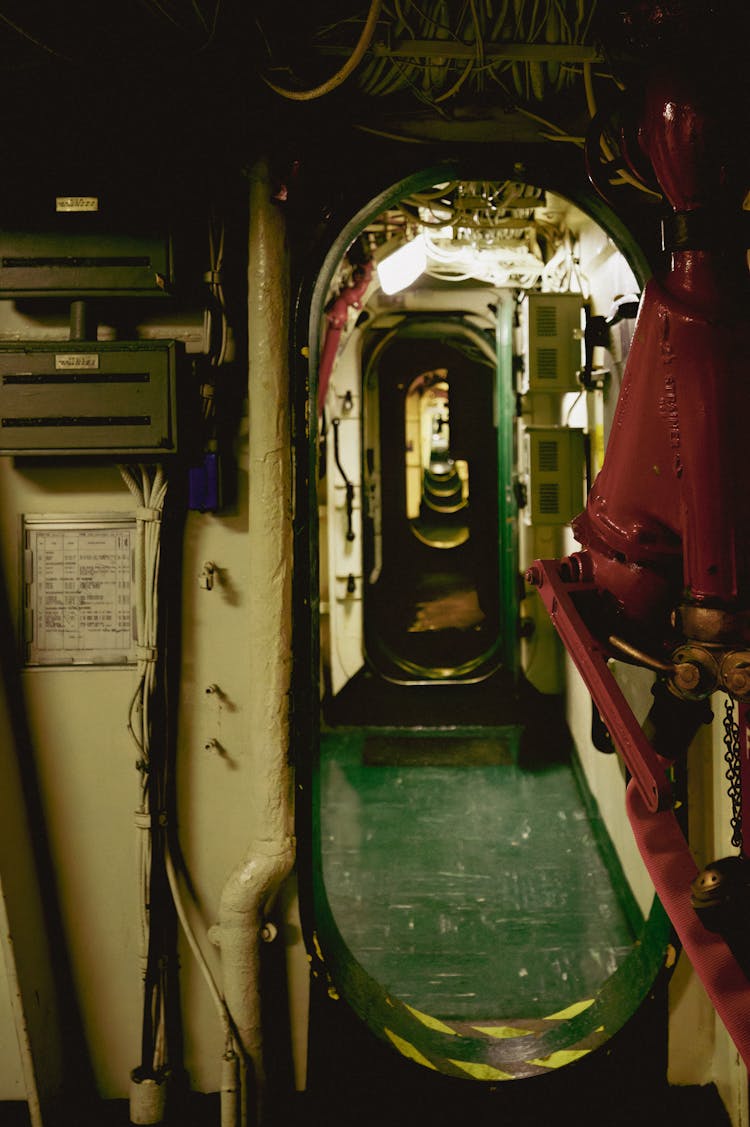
[
  {"x": 714, "y": 626},
  {"x": 735, "y": 674},
  {"x": 696, "y": 672}
]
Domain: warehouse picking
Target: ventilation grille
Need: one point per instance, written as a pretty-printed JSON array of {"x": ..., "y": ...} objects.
[
  {"x": 546, "y": 321},
  {"x": 548, "y": 457},
  {"x": 546, "y": 363},
  {"x": 552, "y": 338},
  {"x": 549, "y": 498},
  {"x": 554, "y": 459}
]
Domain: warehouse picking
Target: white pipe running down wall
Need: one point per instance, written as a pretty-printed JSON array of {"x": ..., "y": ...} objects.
[{"x": 270, "y": 855}]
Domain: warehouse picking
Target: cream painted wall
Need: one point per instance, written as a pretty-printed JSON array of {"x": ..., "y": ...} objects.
[
  {"x": 12, "y": 1086},
  {"x": 212, "y": 784},
  {"x": 85, "y": 765},
  {"x": 231, "y": 738},
  {"x": 88, "y": 788},
  {"x": 85, "y": 762}
]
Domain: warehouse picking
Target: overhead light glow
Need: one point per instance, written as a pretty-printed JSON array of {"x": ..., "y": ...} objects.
[{"x": 403, "y": 267}]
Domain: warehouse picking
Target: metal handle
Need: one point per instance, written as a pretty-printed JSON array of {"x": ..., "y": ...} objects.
[{"x": 335, "y": 423}]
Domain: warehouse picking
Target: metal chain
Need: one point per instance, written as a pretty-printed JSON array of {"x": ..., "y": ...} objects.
[{"x": 732, "y": 773}]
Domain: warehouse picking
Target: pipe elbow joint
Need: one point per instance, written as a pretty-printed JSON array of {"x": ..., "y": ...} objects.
[{"x": 254, "y": 881}]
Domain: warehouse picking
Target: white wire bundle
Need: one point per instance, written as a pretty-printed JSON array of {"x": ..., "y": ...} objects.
[
  {"x": 484, "y": 230},
  {"x": 150, "y": 495},
  {"x": 562, "y": 273},
  {"x": 216, "y": 236}
]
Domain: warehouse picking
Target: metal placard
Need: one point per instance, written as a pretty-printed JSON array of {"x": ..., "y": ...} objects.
[{"x": 78, "y": 575}]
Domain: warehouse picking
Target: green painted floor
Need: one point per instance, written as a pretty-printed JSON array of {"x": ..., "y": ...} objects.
[{"x": 476, "y": 891}]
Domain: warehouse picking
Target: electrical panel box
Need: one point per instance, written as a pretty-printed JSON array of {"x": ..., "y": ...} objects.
[
  {"x": 88, "y": 397},
  {"x": 82, "y": 246},
  {"x": 555, "y": 469},
  {"x": 553, "y": 341},
  {"x": 78, "y": 598}
]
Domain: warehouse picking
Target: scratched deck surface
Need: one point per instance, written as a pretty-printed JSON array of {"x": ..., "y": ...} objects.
[{"x": 469, "y": 892}]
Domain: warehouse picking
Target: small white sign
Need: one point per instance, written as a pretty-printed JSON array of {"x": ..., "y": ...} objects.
[
  {"x": 77, "y": 361},
  {"x": 79, "y": 589},
  {"x": 76, "y": 203}
]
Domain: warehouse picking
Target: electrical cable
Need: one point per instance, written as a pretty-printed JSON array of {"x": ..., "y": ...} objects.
[
  {"x": 390, "y": 136},
  {"x": 199, "y": 14},
  {"x": 434, "y": 79},
  {"x": 163, "y": 12},
  {"x": 454, "y": 89},
  {"x": 149, "y": 493},
  {"x": 572, "y": 407},
  {"x": 32, "y": 39},
  {"x": 561, "y": 133},
  {"x": 341, "y": 75},
  {"x": 216, "y": 995},
  {"x": 623, "y": 175},
  {"x": 215, "y": 320}
]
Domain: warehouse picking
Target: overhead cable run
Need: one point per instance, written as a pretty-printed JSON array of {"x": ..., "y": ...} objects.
[{"x": 526, "y": 48}]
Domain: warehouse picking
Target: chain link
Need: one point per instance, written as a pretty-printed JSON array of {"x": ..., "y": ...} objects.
[{"x": 732, "y": 759}]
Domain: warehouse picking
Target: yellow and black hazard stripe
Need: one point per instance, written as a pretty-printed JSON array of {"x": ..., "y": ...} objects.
[{"x": 494, "y": 1050}]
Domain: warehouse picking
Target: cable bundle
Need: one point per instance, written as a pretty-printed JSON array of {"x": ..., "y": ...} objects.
[
  {"x": 397, "y": 49},
  {"x": 149, "y": 493},
  {"x": 479, "y": 24},
  {"x": 158, "y": 877}
]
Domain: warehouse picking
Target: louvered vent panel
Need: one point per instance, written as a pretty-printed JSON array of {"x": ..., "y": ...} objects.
[
  {"x": 546, "y": 363},
  {"x": 549, "y": 498},
  {"x": 548, "y": 455},
  {"x": 554, "y": 460},
  {"x": 553, "y": 326},
  {"x": 546, "y": 321}
]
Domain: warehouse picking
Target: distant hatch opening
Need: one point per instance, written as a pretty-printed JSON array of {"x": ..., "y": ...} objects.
[
  {"x": 437, "y": 483},
  {"x": 431, "y": 595}
]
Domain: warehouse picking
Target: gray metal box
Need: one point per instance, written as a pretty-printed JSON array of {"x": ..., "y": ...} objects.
[
  {"x": 82, "y": 246},
  {"x": 91, "y": 397},
  {"x": 555, "y": 460},
  {"x": 554, "y": 341}
]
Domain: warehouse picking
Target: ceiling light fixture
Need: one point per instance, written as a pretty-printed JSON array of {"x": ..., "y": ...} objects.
[{"x": 403, "y": 266}]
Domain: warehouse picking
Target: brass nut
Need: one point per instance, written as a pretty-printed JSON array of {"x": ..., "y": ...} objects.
[
  {"x": 738, "y": 683},
  {"x": 696, "y": 672},
  {"x": 735, "y": 674},
  {"x": 687, "y": 676}
]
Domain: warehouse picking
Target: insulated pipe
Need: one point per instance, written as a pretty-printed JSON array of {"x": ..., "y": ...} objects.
[{"x": 270, "y": 854}]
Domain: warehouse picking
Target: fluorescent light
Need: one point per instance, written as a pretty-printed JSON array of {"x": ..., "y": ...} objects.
[{"x": 403, "y": 267}]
